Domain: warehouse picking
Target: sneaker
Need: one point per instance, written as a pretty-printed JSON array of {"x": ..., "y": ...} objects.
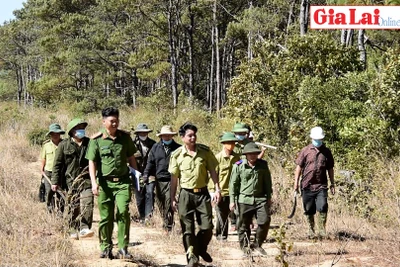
[
  {"x": 124, "y": 254},
  {"x": 193, "y": 262},
  {"x": 86, "y": 233},
  {"x": 206, "y": 257},
  {"x": 107, "y": 253},
  {"x": 73, "y": 236},
  {"x": 222, "y": 238},
  {"x": 260, "y": 251}
]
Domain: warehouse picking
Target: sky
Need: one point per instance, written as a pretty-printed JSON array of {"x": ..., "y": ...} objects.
[{"x": 7, "y": 7}]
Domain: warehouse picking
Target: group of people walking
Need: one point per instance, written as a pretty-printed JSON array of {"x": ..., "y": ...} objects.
[{"x": 236, "y": 182}]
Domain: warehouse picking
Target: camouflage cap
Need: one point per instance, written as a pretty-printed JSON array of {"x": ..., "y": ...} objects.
[{"x": 251, "y": 147}]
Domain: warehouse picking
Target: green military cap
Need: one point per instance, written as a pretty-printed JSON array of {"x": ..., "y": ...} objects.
[
  {"x": 240, "y": 128},
  {"x": 228, "y": 137},
  {"x": 75, "y": 122},
  {"x": 251, "y": 147},
  {"x": 142, "y": 128},
  {"x": 55, "y": 128}
]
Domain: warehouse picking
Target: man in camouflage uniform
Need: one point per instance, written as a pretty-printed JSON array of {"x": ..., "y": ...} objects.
[
  {"x": 47, "y": 155},
  {"x": 145, "y": 195},
  {"x": 189, "y": 164},
  {"x": 109, "y": 152},
  {"x": 69, "y": 164},
  {"x": 313, "y": 163},
  {"x": 226, "y": 158},
  {"x": 251, "y": 188}
]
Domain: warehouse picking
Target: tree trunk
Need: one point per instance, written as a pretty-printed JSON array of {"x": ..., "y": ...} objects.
[
  {"x": 211, "y": 94},
  {"x": 190, "y": 51},
  {"x": 218, "y": 62},
  {"x": 349, "y": 40},
  {"x": 343, "y": 36},
  {"x": 361, "y": 47},
  {"x": 172, "y": 53},
  {"x": 304, "y": 14},
  {"x": 290, "y": 15}
]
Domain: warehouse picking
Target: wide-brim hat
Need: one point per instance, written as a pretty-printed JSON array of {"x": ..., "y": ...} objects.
[
  {"x": 240, "y": 128},
  {"x": 142, "y": 128},
  {"x": 55, "y": 128},
  {"x": 317, "y": 133},
  {"x": 75, "y": 122},
  {"x": 251, "y": 147},
  {"x": 166, "y": 129},
  {"x": 228, "y": 137}
]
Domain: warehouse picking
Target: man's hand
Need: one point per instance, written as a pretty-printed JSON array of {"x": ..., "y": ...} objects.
[
  {"x": 332, "y": 187},
  {"x": 174, "y": 205},
  {"x": 95, "y": 189},
  {"x": 54, "y": 187},
  {"x": 232, "y": 206},
  {"x": 217, "y": 197}
]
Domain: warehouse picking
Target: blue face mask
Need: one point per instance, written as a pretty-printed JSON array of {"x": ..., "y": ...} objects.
[
  {"x": 316, "y": 143},
  {"x": 240, "y": 137},
  {"x": 80, "y": 133},
  {"x": 167, "y": 142}
]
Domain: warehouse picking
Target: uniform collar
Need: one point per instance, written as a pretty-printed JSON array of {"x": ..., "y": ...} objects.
[
  {"x": 226, "y": 155},
  {"x": 106, "y": 135}
]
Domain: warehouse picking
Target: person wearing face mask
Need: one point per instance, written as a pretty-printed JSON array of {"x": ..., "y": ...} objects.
[
  {"x": 250, "y": 188},
  {"x": 145, "y": 195},
  {"x": 157, "y": 166},
  {"x": 312, "y": 165},
  {"x": 70, "y": 163},
  {"x": 226, "y": 158}
]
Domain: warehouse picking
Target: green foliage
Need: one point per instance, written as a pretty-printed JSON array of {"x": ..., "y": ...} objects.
[
  {"x": 284, "y": 246},
  {"x": 37, "y": 136}
]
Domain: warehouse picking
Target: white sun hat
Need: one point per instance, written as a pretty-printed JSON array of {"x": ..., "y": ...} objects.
[{"x": 317, "y": 133}]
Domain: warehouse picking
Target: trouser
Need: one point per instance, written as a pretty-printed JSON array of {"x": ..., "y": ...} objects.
[
  {"x": 199, "y": 205},
  {"x": 81, "y": 210},
  {"x": 111, "y": 194},
  {"x": 314, "y": 201},
  {"x": 164, "y": 203},
  {"x": 145, "y": 200},
  {"x": 48, "y": 192},
  {"x": 222, "y": 212},
  {"x": 246, "y": 214}
]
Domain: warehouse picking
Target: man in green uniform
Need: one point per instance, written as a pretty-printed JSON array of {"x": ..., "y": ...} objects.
[
  {"x": 109, "y": 152},
  {"x": 47, "y": 159},
  {"x": 251, "y": 188},
  {"x": 190, "y": 164},
  {"x": 69, "y": 164},
  {"x": 226, "y": 158}
]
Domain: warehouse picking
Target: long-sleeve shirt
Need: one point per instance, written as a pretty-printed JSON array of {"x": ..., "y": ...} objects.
[{"x": 250, "y": 185}]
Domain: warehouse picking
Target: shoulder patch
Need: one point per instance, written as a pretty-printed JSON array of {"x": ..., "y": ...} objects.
[
  {"x": 96, "y": 135},
  {"x": 203, "y": 147},
  {"x": 239, "y": 162}
]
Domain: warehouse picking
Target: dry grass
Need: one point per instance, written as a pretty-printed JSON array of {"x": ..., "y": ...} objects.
[{"x": 31, "y": 237}]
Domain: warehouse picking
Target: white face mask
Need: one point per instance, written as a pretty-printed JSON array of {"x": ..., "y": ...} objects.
[{"x": 143, "y": 138}]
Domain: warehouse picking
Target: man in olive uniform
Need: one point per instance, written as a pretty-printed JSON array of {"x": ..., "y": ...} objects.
[
  {"x": 109, "y": 152},
  {"x": 189, "y": 164},
  {"x": 47, "y": 155},
  {"x": 226, "y": 158},
  {"x": 157, "y": 165},
  {"x": 69, "y": 164},
  {"x": 251, "y": 188},
  {"x": 313, "y": 162},
  {"x": 145, "y": 195}
]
